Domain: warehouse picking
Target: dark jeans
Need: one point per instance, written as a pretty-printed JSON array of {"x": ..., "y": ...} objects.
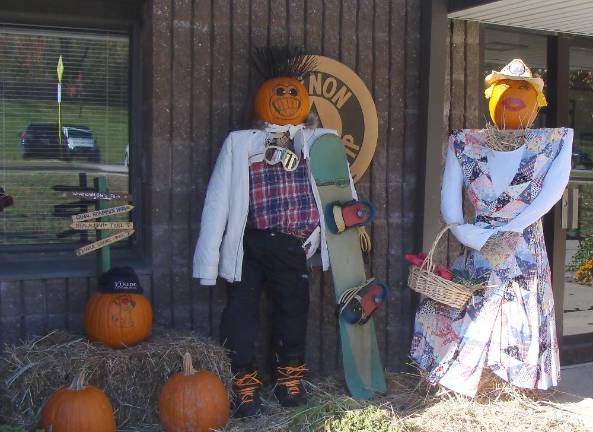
[{"x": 277, "y": 262}]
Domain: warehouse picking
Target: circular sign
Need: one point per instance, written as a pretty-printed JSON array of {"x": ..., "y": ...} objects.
[{"x": 343, "y": 102}]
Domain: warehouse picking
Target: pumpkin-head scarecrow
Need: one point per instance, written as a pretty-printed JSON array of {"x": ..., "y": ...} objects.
[
  {"x": 281, "y": 98},
  {"x": 515, "y": 96},
  {"x": 260, "y": 223}
]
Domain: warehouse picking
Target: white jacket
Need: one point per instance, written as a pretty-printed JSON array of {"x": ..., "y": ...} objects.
[{"x": 219, "y": 250}]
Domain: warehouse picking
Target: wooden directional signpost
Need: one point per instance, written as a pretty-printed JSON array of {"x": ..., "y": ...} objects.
[
  {"x": 92, "y": 195},
  {"x": 101, "y": 213},
  {"x": 95, "y": 220},
  {"x": 102, "y": 225},
  {"x": 104, "y": 242}
]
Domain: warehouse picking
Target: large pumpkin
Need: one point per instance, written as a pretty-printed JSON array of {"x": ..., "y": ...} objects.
[
  {"x": 193, "y": 401},
  {"x": 118, "y": 320},
  {"x": 282, "y": 100},
  {"x": 78, "y": 408},
  {"x": 513, "y": 104}
]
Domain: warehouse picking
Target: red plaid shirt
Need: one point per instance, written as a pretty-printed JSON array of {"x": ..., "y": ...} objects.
[{"x": 281, "y": 200}]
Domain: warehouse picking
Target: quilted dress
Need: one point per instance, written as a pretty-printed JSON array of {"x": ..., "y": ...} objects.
[{"x": 509, "y": 327}]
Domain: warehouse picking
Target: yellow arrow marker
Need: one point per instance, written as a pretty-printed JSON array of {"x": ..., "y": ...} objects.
[
  {"x": 60, "y": 69},
  {"x": 101, "y": 213},
  {"x": 102, "y": 225},
  {"x": 102, "y": 243}
]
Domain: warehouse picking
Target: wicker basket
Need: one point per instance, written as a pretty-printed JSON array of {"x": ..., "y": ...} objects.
[{"x": 423, "y": 280}]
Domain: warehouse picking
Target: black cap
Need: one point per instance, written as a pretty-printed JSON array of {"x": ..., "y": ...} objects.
[{"x": 120, "y": 279}]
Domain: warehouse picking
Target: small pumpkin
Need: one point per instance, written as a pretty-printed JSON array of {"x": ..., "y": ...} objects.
[
  {"x": 513, "y": 104},
  {"x": 282, "y": 100},
  {"x": 77, "y": 408},
  {"x": 118, "y": 320},
  {"x": 193, "y": 401}
]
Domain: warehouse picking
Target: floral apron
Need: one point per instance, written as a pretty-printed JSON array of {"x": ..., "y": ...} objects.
[{"x": 509, "y": 327}]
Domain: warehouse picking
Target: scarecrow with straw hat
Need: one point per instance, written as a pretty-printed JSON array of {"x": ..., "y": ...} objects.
[{"x": 512, "y": 175}]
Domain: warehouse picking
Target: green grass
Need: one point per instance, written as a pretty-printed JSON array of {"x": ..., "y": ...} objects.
[
  {"x": 586, "y": 211},
  {"x": 31, "y": 219},
  {"x": 339, "y": 413},
  {"x": 109, "y": 124}
]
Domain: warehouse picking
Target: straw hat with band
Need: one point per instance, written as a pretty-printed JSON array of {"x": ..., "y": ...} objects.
[{"x": 516, "y": 70}]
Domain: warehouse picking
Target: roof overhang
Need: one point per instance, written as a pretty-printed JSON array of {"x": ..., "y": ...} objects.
[{"x": 565, "y": 16}]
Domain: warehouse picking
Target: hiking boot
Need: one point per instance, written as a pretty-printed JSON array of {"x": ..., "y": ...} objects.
[
  {"x": 289, "y": 385},
  {"x": 247, "y": 388}
]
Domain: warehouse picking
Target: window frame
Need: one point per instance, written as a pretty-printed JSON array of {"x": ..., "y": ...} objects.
[{"x": 120, "y": 16}]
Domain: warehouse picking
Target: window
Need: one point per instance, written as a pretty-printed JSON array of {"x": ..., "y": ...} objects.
[
  {"x": 44, "y": 143},
  {"x": 501, "y": 45}
]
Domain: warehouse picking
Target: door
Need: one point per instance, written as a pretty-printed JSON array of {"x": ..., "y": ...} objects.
[{"x": 577, "y": 209}]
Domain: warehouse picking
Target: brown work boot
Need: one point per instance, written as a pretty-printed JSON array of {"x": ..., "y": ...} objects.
[
  {"x": 247, "y": 388},
  {"x": 289, "y": 385}
]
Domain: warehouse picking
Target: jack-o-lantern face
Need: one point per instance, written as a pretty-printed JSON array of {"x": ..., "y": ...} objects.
[
  {"x": 282, "y": 101},
  {"x": 513, "y": 104}
]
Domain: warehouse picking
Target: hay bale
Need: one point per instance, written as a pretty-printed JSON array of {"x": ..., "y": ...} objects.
[{"x": 131, "y": 377}]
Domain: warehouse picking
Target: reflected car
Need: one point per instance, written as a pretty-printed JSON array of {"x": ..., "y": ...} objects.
[
  {"x": 40, "y": 140},
  {"x": 80, "y": 143}
]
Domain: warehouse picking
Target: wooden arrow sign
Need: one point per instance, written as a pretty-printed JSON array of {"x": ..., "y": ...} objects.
[
  {"x": 102, "y": 225},
  {"x": 101, "y": 213},
  {"x": 104, "y": 242},
  {"x": 92, "y": 195}
]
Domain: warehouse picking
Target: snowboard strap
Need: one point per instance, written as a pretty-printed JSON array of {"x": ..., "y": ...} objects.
[
  {"x": 339, "y": 218},
  {"x": 350, "y": 294},
  {"x": 365, "y": 239}
]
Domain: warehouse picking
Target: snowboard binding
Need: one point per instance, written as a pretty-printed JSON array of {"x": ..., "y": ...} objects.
[
  {"x": 341, "y": 216},
  {"x": 357, "y": 305}
]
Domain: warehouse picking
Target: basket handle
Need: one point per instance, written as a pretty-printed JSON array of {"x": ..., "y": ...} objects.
[{"x": 427, "y": 264}]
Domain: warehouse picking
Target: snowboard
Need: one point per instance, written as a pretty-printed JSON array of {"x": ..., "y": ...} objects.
[{"x": 363, "y": 369}]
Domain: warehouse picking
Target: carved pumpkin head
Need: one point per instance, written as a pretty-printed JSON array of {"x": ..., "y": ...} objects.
[
  {"x": 118, "y": 320},
  {"x": 515, "y": 96},
  {"x": 282, "y": 99}
]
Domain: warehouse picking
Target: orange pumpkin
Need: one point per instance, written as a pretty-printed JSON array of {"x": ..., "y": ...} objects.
[
  {"x": 118, "y": 320},
  {"x": 513, "y": 104},
  {"x": 282, "y": 100},
  {"x": 193, "y": 401},
  {"x": 78, "y": 408}
]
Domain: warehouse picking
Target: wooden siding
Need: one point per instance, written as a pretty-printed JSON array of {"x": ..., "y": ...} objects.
[
  {"x": 201, "y": 84},
  {"x": 196, "y": 84},
  {"x": 37, "y": 306},
  {"x": 463, "y": 92}
]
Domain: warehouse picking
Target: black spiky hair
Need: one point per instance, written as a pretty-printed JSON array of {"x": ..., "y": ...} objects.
[{"x": 278, "y": 61}]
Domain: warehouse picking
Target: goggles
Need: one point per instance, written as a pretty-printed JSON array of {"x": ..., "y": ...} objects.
[{"x": 276, "y": 154}]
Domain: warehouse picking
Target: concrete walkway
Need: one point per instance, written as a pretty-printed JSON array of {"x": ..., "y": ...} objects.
[{"x": 575, "y": 392}]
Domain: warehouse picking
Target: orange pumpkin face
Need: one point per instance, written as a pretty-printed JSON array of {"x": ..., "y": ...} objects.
[
  {"x": 193, "y": 401},
  {"x": 282, "y": 101},
  {"x": 513, "y": 104},
  {"x": 118, "y": 320},
  {"x": 78, "y": 408}
]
